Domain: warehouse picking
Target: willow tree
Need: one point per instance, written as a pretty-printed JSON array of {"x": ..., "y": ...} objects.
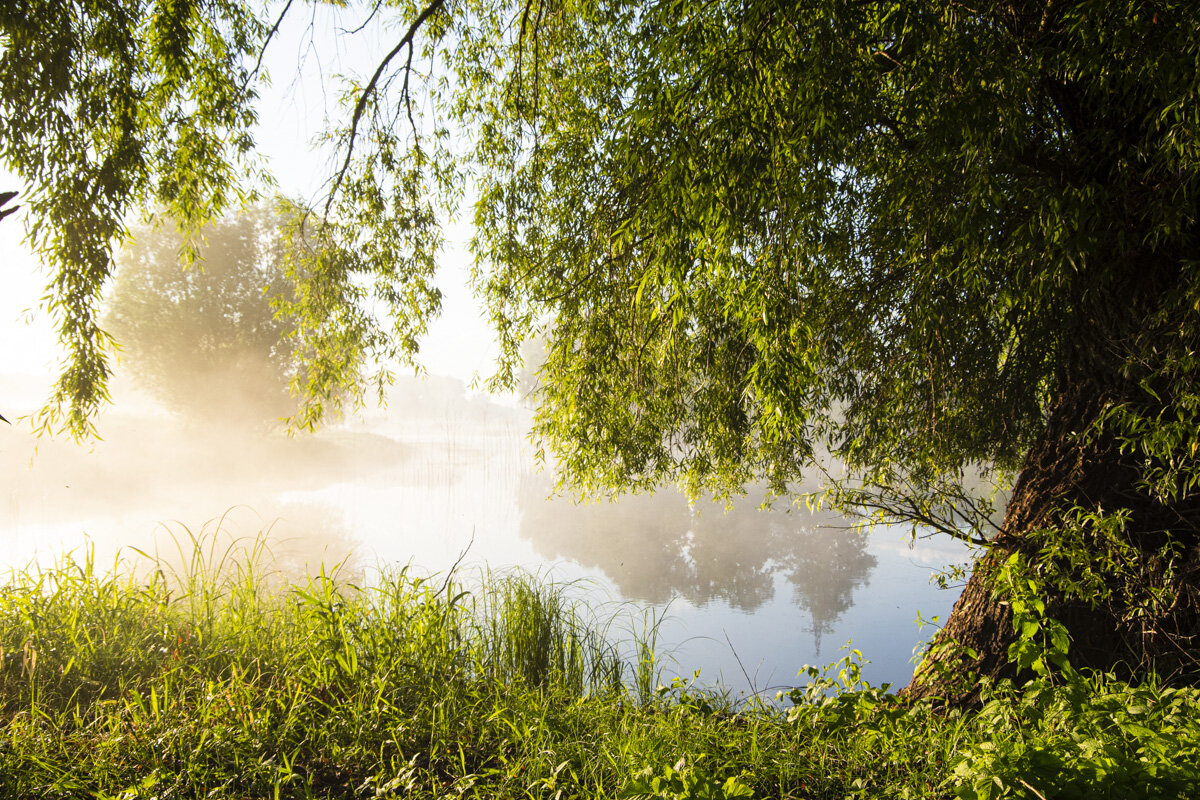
[
  {"x": 915, "y": 240},
  {"x": 111, "y": 108}
]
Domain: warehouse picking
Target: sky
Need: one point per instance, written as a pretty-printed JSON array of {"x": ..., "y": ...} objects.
[{"x": 301, "y": 61}]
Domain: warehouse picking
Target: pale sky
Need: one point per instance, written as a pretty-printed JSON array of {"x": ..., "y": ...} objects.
[{"x": 291, "y": 112}]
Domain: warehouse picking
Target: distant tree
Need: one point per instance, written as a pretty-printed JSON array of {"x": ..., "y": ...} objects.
[
  {"x": 204, "y": 337},
  {"x": 107, "y": 108}
]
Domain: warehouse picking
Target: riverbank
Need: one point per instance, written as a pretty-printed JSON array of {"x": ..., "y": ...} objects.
[{"x": 220, "y": 679}]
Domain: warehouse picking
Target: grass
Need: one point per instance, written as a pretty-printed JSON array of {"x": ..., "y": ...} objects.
[{"x": 215, "y": 680}]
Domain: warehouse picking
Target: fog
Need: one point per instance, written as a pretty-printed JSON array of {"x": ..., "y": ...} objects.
[{"x": 154, "y": 471}]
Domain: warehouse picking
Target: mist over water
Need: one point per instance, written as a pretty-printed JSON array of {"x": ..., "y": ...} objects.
[{"x": 749, "y": 596}]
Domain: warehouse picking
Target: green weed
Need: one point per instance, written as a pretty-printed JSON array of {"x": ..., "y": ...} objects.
[{"x": 215, "y": 678}]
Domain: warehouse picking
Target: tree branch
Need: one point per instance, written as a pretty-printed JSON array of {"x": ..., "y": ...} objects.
[
  {"x": 4, "y": 198},
  {"x": 361, "y": 106},
  {"x": 263, "y": 50},
  {"x": 374, "y": 10}
]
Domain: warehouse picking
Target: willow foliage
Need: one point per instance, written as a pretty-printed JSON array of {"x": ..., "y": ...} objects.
[
  {"x": 107, "y": 108},
  {"x": 751, "y": 233}
]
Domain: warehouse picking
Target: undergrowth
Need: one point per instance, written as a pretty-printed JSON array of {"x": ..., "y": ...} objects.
[{"x": 210, "y": 681}]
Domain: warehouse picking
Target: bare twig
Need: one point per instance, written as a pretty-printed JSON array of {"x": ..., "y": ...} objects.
[
  {"x": 263, "y": 50},
  {"x": 360, "y": 107},
  {"x": 457, "y": 562},
  {"x": 1030, "y": 788},
  {"x": 367, "y": 21}
]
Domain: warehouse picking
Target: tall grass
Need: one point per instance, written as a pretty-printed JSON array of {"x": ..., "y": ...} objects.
[
  {"x": 525, "y": 629},
  {"x": 209, "y": 677},
  {"x": 199, "y": 667}
]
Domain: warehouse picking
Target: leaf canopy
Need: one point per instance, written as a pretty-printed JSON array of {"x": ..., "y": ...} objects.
[
  {"x": 107, "y": 108},
  {"x": 752, "y": 234},
  {"x": 755, "y": 232}
]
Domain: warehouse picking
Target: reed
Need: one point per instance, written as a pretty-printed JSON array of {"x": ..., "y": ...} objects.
[
  {"x": 527, "y": 629},
  {"x": 206, "y": 675}
]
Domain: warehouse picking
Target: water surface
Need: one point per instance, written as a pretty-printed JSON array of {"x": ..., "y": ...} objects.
[{"x": 746, "y": 596}]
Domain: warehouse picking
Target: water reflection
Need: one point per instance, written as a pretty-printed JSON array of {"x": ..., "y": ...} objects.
[{"x": 657, "y": 548}]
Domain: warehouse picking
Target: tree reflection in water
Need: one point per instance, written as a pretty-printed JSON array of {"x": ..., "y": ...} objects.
[{"x": 655, "y": 548}]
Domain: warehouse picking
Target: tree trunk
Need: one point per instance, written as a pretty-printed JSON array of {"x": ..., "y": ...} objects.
[{"x": 1121, "y": 633}]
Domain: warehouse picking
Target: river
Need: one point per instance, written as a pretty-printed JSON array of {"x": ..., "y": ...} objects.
[{"x": 746, "y": 596}]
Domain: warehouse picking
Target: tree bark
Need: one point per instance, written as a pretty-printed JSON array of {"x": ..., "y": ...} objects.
[{"x": 1067, "y": 469}]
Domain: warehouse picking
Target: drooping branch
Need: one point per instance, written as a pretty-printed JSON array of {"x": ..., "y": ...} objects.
[
  {"x": 5, "y": 197},
  {"x": 950, "y": 508},
  {"x": 522, "y": 37},
  {"x": 360, "y": 106},
  {"x": 950, "y": 524},
  {"x": 262, "y": 51}
]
